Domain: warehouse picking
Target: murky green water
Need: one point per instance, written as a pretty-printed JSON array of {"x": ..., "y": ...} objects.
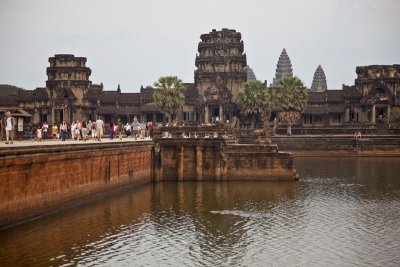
[{"x": 343, "y": 212}]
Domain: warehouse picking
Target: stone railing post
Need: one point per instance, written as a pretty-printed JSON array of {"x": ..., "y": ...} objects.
[
  {"x": 199, "y": 163},
  {"x": 217, "y": 168},
  {"x": 180, "y": 162},
  {"x": 373, "y": 114}
]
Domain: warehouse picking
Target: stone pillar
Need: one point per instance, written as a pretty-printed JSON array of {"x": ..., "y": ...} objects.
[
  {"x": 221, "y": 114},
  {"x": 373, "y": 115},
  {"x": 199, "y": 163},
  {"x": 388, "y": 115},
  {"x": 180, "y": 162},
  {"x": 217, "y": 168},
  {"x": 53, "y": 116},
  {"x": 347, "y": 115},
  {"x": 206, "y": 119}
]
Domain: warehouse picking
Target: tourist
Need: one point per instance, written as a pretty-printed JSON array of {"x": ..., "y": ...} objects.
[
  {"x": 73, "y": 126},
  {"x": 93, "y": 130},
  {"x": 115, "y": 130},
  {"x": 63, "y": 130},
  {"x": 10, "y": 125},
  {"x": 128, "y": 129},
  {"x": 89, "y": 128},
  {"x": 142, "y": 130},
  {"x": 120, "y": 129},
  {"x": 111, "y": 131},
  {"x": 135, "y": 127},
  {"x": 150, "y": 129},
  {"x": 78, "y": 127},
  {"x": 99, "y": 128},
  {"x": 39, "y": 134},
  {"x": 45, "y": 127},
  {"x": 54, "y": 131},
  {"x": 84, "y": 129},
  {"x": 29, "y": 131}
]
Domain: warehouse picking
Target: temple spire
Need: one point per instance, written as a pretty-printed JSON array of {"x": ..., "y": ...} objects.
[
  {"x": 251, "y": 76},
  {"x": 283, "y": 68},
  {"x": 319, "y": 81}
]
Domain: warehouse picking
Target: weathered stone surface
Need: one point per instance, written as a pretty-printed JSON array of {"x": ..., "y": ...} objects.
[
  {"x": 319, "y": 81},
  {"x": 35, "y": 182},
  {"x": 283, "y": 68},
  {"x": 212, "y": 154}
]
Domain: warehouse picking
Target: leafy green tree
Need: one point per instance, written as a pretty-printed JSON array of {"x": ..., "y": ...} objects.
[
  {"x": 255, "y": 99},
  {"x": 170, "y": 96},
  {"x": 291, "y": 100}
]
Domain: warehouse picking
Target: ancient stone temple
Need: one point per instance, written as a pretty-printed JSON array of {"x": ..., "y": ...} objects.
[
  {"x": 283, "y": 68},
  {"x": 67, "y": 84},
  {"x": 319, "y": 81},
  {"x": 220, "y": 75},
  {"x": 251, "y": 76}
]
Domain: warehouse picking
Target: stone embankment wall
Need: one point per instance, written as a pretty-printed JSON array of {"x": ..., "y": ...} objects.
[
  {"x": 346, "y": 145},
  {"x": 259, "y": 162},
  {"x": 213, "y": 160},
  {"x": 42, "y": 179}
]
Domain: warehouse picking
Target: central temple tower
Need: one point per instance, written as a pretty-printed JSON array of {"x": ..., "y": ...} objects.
[{"x": 221, "y": 73}]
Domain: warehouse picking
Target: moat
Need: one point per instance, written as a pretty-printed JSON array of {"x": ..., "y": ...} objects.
[{"x": 343, "y": 212}]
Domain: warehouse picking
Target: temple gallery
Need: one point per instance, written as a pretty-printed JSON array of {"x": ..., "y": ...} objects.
[{"x": 221, "y": 71}]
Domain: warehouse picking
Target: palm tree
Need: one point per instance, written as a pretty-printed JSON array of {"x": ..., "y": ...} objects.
[
  {"x": 291, "y": 100},
  {"x": 255, "y": 99},
  {"x": 170, "y": 98}
]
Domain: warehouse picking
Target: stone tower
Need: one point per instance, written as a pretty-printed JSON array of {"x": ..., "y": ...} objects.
[
  {"x": 220, "y": 73},
  {"x": 251, "y": 76},
  {"x": 67, "y": 84},
  {"x": 283, "y": 68},
  {"x": 319, "y": 81}
]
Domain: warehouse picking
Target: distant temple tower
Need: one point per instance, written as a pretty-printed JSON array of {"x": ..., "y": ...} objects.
[
  {"x": 319, "y": 81},
  {"x": 251, "y": 76},
  {"x": 283, "y": 68},
  {"x": 220, "y": 73},
  {"x": 67, "y": 84}
]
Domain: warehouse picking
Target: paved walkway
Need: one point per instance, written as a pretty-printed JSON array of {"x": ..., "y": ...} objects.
[{"x": 51, "y": 142}]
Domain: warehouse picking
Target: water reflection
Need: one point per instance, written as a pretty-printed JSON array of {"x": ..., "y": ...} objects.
[{"x": 344, "y": 211}]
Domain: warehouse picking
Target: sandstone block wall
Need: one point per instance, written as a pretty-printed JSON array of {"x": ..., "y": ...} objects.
[{"x": 35, "y": 181}]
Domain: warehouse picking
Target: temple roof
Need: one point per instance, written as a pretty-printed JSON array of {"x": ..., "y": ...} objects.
[
  {"x": 93, "y": 93},
  {"x": 319, "y": 81},
  {"x": 10, "y": 100},
  {"x": 108, "y": 96},
  {"x": 251, "y": 76},
  {"x": 40, "y": 93},
  {"x": 283, "y": 68},
  {"x": 129, "y": 98}
]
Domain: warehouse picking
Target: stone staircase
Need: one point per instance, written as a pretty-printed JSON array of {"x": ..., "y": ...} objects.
[{"x": 331, "y": 142}]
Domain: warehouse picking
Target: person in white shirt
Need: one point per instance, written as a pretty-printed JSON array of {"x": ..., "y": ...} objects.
[
  {"x": 99, "y": 128},
  {"x": 128, "y": 129},
  {"x": 73, "y": 127},
  {"x": 45, "y": 127},
  {"x": 10, "y": 125}
]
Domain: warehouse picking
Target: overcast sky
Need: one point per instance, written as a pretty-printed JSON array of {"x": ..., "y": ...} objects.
[{"x": 133, "y": 43}]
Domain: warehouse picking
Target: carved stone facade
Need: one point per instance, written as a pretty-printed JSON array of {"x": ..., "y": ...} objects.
[
  {"x": 221, "y": 72},
  {"x": 220, "y": 75},
  {"x": 368, "y": 102},
  {"x": 67, "y": 85}
]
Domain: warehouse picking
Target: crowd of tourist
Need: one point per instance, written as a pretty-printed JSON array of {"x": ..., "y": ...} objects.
[{"x": 81, "y": 130}]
